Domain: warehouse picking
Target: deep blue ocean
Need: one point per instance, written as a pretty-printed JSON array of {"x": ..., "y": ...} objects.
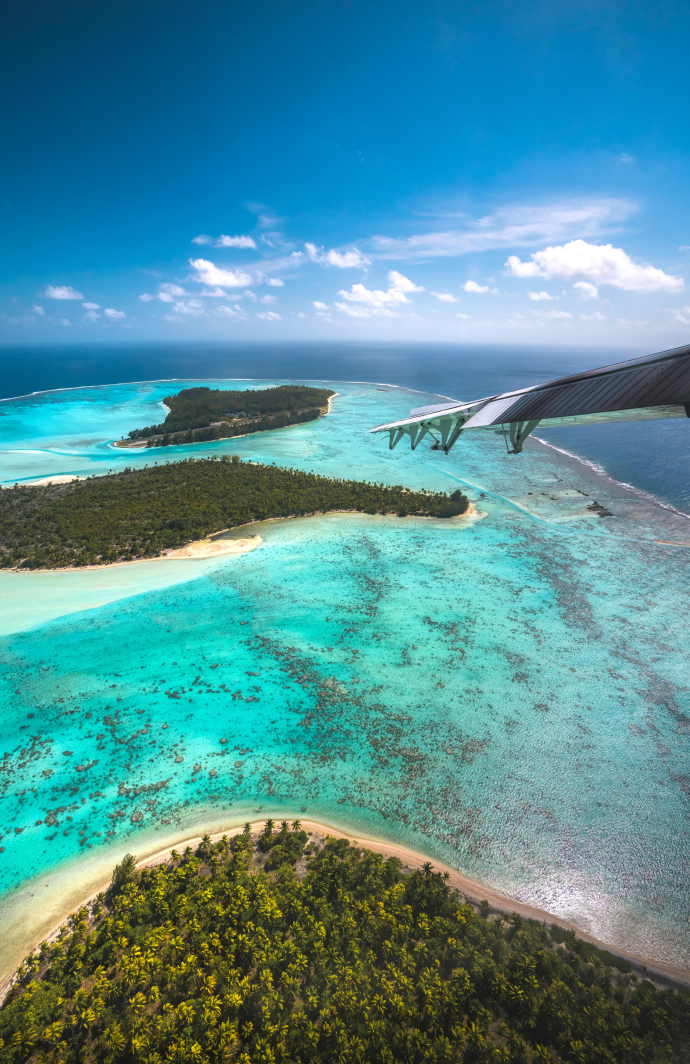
[
  {"x": 654, "y": 457},
  {"x": 509, "y": 695}
]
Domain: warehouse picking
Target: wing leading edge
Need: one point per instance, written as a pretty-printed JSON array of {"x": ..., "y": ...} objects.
[{"x": 642, "y": 389}]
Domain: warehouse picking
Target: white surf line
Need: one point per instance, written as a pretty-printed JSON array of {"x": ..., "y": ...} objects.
[
  {"x": 557, "y": 526},
  {"x": 601, "y": 472},
  {"x": 194, "y": 380}
]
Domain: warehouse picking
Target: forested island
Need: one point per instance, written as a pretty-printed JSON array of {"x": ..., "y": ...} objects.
[
  {"x": 198, "y": 415},
  {"x": 278, "y": 948},
  {"x": 140, "y": 513}
]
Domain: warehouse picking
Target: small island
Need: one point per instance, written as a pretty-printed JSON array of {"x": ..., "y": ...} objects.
[
  {"x": 281, "y": 945},
  {"x": 144, "y": 513},
  {"x": 198, "y": 415}
]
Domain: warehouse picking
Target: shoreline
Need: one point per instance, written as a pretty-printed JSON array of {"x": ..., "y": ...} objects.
[
  {"x": 473, "y": 891},
  {"x": 178, "y": 553},
  {"x": 142, "y": 445}
]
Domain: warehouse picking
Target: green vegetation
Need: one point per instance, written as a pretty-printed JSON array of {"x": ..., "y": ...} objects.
[
  {"x": 139, "y": 513},
  {"x": 334, "y": 958},
  {"x": 201, "y": 414}
]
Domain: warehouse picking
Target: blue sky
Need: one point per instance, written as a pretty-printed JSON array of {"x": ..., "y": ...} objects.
[{"x": 288, "y": 169}]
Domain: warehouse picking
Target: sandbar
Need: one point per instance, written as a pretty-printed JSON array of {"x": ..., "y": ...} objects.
[{"x": 215, "y": 548}]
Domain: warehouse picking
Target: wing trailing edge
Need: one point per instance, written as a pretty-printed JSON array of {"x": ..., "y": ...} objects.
[{"x": 641, "y": 389}]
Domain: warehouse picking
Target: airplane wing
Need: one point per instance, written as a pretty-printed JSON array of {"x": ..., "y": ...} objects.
[{"x": 642, "y": 389}]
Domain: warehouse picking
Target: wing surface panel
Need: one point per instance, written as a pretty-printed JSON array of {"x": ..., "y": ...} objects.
[{"x": 651, "y": 387}]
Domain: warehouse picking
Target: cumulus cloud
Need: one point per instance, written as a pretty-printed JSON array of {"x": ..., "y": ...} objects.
[
  {"x": 538, "y": 295},
  {"x": 320, "y": 306},
  {"x": 586, "y": 289},
  {"x": 269, "y": 315},
  {"x": 275, "y": 282},
  {"x": 362, "y": 312},
  {"x": 225, "y": 241},
  {"x": 445, "y": 297},
  {"x": 225, "y": 311},
  {"x": 92, "y": 315},
  {"x": 600, "y": 263},
  {"x": 91, "y": 306},
  {"x": 64, "y": 321},
  {"x": 267, "y": 299},
  {"x": 551, "y": 314},
  {"x": 377, "y": 301},
  {"x": 402, "y": 284},
  {"x": 344, "y": 260},
  {"x": 593, "y": 317},
  {"x": 114, "y": 315},
  {"x": 167, "y": 293},
  {"x": 61, "y": 291},
  {"x": 682, "y": 314},
  {"x": 513, "y": 226},
  {"x": 210, "y": 274},
  {"x": 39, "y": 310},
  {"x": 472, "y": 286}
]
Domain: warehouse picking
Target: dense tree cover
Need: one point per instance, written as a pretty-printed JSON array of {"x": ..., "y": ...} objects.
[
  {"x": 198, "y": 408},
  {"x": 337, "y": 960},
  {"x": 227, "y": 430},
  {"x": 139, "y": 513}
]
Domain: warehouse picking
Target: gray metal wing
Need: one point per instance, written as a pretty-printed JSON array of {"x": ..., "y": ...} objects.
[{"x": 642, "y": 389}]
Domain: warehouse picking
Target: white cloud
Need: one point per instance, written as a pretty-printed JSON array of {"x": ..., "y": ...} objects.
[
  {"x": 267, "y": 299},
  {"x": 513, "y": 226},
  {"x": 684, "y": 247},
  {"x": 472, "y": 286},
  {"x": 91, "y": 306},
  {"x": 587, "y": 290},
  {"x": 91, "y": 315},
  {"x": 275, "y": 282},
  {"x": 210, "y": 274},
  {"x": 361, "y": 312},
  {"x": 597, "y": 316},
  {"x": 681, "y": 315},
  {"x": 114, "y": 315},
  {"x": 64, "y": 321},
  {"x": 249, "y": 294},
  {"x": 538, "y": 295},
  {"x": 320, "y": 306},
  {"x": 601, "y": 263},
  {"x": 344, "y": 260},
  {"x": 633, "y": 324},
  {"x": 269, "y": 315},
  {"x": 625, "y": 158},
  {"x": 402, "y": 284},
  {"x": 301, "y": 314},
  {"x": 551, "y": 314},
  {"x": 225, "y": 241},
  {"x": 39, "y": 310},
  {"x": 225, "y": 311},
  {"x": 378, "y": 301},
  {"x": 167, "y": 293},
  {"x": 465, "y": 316},
  {"x": 61, "y": 291},
  {"x": 445, "y": 297},
  {"x": 191, "y": 307}
]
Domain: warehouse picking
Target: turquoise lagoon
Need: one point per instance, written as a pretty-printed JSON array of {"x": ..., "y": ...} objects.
[{"x": 508, "y": 696}]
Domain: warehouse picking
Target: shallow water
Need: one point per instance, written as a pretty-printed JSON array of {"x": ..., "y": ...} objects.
[{"x": 509, "y": 696}]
